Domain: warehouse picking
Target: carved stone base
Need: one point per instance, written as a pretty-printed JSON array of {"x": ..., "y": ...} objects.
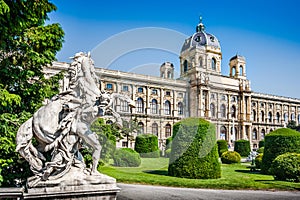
[{"x": 75, "y": 185}]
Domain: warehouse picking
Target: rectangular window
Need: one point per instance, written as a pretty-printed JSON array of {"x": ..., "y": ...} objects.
[
  {"x": 154, "y": 91},
  {"x": 124, "y": 144},
  {"x": 168, "y": 93},
  {"x": 125, "y": 88},
  {"x": 124, "y": 106},
  {"x": 140, "y": 90},
  {"x": 109, "y": 86}
]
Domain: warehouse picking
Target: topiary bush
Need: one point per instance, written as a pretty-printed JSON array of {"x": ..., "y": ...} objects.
[
  {"x": 229, "y": 157},
  {"x": 147, "y": 146},
  {"x": 258, "y": 160},
  {"x": 261, "y": 150},
  {"x": 261, "y": 143},
  {"x": 168, "y": 143},
  {"x": 222, "y": 147},
  {"x": 194, "y": 151},
  {"x": 167, "y": 153},
  {"x": 286, "y": 167},
  {"x": 278, "y": 142},
  {"x": 242, "y": 147},
  {"x": 126, "y": 157}
]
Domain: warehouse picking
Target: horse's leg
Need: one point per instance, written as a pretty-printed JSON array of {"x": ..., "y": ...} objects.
[
  {"x": 92, "y": 140},
  {"x": 25, "y": 147}
]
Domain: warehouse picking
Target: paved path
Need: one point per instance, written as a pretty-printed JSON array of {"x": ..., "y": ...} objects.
[{"x": 146, "y": 192}]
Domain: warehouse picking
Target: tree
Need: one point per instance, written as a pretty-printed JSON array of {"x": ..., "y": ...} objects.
[
  {"x": 293, "y": 125},
  {"x": 26, "y": 46},
  {"x": 128, "y": 129},
  {"x": 108, "y": 134}
]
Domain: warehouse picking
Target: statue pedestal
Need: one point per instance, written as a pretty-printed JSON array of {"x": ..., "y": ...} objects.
[
  {"x": 75, "y": 185},
  {"x": 103, "y": 191}
]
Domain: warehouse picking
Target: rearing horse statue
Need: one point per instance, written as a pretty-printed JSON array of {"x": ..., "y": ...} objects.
[{"x": 65, "y": 121}]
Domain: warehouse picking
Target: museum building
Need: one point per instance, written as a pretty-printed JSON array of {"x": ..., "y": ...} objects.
[{"x": 200, "y": 91}]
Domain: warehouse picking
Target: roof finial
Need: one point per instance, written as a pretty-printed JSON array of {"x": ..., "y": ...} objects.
[{"x": 200, "y": 27}]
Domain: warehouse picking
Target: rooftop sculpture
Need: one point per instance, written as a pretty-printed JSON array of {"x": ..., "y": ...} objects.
[{"x": 63, "y": 124}]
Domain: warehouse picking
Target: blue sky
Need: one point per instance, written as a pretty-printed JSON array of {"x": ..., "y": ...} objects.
[{"x": 267, "y": 33}]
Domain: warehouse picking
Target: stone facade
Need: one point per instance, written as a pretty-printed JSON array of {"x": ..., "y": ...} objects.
[{"x": 201, "y": 91}]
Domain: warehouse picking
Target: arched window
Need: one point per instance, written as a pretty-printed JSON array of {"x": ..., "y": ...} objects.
[
  {"x": 293, "y": 116},
  {"x": 109, "y": 122},
  {"x": 200, "y": 62},
  {"x": 140, "y": 105},
  {"x": 254, "y": 115},
  {"x": 262, "y": 134},
  {"x": 262, "y": 116},
  {"x": 233, "y": 71},
  {"x": 154, "y": 106},
  {"x": 155, "y": 129},
  {"x": 277, "y": 117},
  {"x": 212, "y": 110},
  {"x": 241, "y": 70},
  {"x": 168, "y": 130},
  {"x": 140, "y": 129},
  {"x": 223, "y": 111},
  {"x": 213, "y": 64},
  {"x": 169, "y": 74},
  {"x": 270, "y": 117},
  {"x": 167, "y": 107},
  {"x": 185, "y": 66},
  {"x": 254, "y": 134},
  {"x": 233, "y": 111},
  {"x": 286, "y": 118},
  {"x": 180, "y": 108},
  {"x": 124, "y": 106},
  {"x": 223, "y": 133}
]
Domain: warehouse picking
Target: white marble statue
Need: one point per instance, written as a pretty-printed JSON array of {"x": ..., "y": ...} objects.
[{"x": 62, "y": 124}]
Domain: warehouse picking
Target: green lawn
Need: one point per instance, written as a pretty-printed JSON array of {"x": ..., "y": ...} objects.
[{"x": 154, "y": 171}]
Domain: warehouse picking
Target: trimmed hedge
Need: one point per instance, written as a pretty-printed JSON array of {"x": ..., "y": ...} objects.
[
  {"x": 222, "y": 146},
  {"x": 194, "y": 152},
  {"x": 147, "y": 146},
  {"x": 230, "y": 157},
  {"x": 261, "y": 143},
  {"x": 258, "y": 160},
  {"x": 286, "y": 167},
  {"x": 169, "y": 143},
  {"x": 278, "y": 142},
  {"x": 242, "y": 147},
  {"x": 126, "y": 157},
  {"x": 167, "y": 153}
]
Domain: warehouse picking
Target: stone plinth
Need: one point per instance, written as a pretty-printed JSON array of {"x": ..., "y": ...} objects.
[
  {"x": 101, "y": 192},
  {"x": 75, "y": 184}
]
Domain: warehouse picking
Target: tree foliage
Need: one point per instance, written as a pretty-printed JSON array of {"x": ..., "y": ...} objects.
[
  {"x": 26, "y": 46},
  {"x": 108, "y": 134},
  {"x": 128, "y": 130}
]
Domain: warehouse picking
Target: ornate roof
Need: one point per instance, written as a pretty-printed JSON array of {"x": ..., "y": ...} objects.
[{"x": 201, "y": 39}]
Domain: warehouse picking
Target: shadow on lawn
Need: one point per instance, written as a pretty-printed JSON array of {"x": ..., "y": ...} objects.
[
  {"x": 247, "y": 171},
  {"x": 275, "y": 182},
  {"x": 157, "y": 172}
]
